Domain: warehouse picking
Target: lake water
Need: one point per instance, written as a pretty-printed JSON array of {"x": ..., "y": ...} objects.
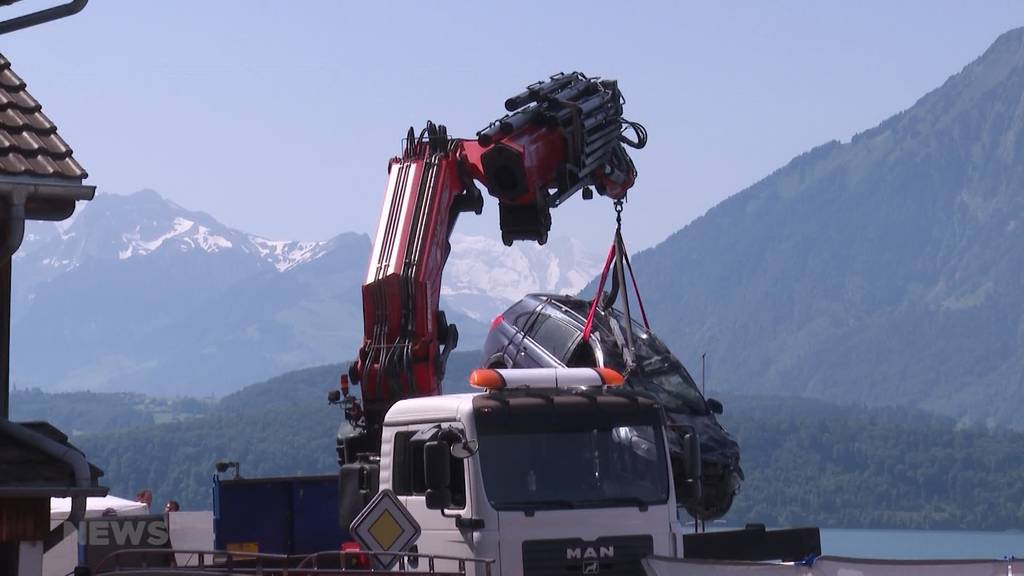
[{"x": 911, "y": 544}]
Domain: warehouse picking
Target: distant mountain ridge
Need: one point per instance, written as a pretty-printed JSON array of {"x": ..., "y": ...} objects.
[
  {"x": 886, "y": 270},
  {"x": 142, "y": 223},
  {"x": 142, "y": 295},
  {"x": 139, "y": 294}
]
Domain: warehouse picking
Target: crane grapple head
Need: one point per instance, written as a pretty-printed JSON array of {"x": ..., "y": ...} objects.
[{"x": 561, "y": 135}]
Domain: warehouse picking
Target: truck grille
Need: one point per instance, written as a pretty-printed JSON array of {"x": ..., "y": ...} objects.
[{"x": 612, "y": 555}]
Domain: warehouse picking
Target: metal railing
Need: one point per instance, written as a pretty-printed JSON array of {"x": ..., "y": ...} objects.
[
  {"x": 155, "y": 562},
  {"x": 407, "y": 562}
]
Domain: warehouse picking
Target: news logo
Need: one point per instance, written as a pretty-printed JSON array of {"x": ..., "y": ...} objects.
[{"x": 123, "y": 532}]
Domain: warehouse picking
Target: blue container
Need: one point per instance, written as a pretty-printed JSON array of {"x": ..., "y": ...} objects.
[{"x": 287, "y": 515}]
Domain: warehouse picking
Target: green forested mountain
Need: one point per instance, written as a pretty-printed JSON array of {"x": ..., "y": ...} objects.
[
  {"x": 884, "y": 270},
  {"x": 810, "y": 462},
  {"x": 807, "y": 461},
  {"x": 78, "y": 413},
  {"x": 278, "y": 427},
  {"x": 282, "y": 426}
]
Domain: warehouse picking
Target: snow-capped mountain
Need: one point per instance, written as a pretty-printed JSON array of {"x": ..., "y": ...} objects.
[
  {"x": 138, "y": 225},
  {"x": 138, "y": 293},
  {"x": 287, "y": 254},
  {"x": 483, "y": 276}
]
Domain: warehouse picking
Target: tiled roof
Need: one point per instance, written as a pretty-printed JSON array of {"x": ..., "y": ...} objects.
[{"x": 29, "y": 143}]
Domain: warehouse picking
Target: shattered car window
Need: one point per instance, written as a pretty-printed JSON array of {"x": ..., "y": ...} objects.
[
  {"x": 669, "y": 385},
  {"x": 660, "y": 373}
]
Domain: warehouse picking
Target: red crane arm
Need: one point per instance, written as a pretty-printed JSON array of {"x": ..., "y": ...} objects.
[
  {"x": 562, "y": 135},
  {"x": 403, "y": 329}
]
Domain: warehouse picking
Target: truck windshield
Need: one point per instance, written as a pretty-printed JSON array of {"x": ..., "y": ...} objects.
[{"x": 585, "y": 468}]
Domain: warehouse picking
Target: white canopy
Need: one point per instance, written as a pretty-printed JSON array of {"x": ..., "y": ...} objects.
[{"x": 60, "y": 508}]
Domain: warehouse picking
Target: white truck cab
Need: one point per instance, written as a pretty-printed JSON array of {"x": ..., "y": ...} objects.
[{"x": 548, "y": 471}]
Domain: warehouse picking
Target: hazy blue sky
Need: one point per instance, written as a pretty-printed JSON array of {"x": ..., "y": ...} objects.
[{"x": 279, "y": 117}]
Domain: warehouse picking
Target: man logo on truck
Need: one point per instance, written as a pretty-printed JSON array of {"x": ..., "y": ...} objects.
[{"x": 589, "y": 553}]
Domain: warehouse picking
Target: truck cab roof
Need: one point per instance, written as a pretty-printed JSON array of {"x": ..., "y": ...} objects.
[
  {"x": 445, "y": 408},
  {"x": 518, "y": 390}
]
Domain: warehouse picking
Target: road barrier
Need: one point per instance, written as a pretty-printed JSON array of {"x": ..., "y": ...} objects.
[{"x": 157, "y": 562}]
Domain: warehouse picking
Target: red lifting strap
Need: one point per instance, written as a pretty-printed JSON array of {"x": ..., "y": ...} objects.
[
  {"x": 636, "y": 290},
  {"x": 597, "y": 297},
  {"x": 618, "y": 244}
]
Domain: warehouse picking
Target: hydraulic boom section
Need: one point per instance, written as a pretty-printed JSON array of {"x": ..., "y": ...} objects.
[{"x": 560, "y": 136}]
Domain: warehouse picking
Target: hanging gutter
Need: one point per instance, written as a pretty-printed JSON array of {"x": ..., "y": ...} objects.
[
  {"x": 28, "y": 198},
  {"x": 83, "y": 488}
]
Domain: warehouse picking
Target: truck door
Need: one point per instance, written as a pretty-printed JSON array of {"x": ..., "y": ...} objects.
[{"x": 439, "y": 533}]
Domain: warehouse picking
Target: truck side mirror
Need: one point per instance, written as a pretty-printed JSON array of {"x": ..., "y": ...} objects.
[
  {"x": 437, "y": 474},
  {"x": 715, "y": 406},
  {"x": 687, "y": 468}
]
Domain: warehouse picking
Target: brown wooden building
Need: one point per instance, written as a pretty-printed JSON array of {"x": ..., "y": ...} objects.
[{"x": 39, "y": 180}]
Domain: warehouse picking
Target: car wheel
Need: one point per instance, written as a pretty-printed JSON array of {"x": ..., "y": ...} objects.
[
  {"x": 498, "y": 362},
  {"x": 715, "y": 501}
]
